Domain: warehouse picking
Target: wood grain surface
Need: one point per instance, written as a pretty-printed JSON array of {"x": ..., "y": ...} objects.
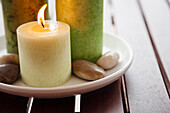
[
  {"x": 159, "y": 27},
  {"x": 61, "y": 105},
  {"x": 12, "y": 104},
  {"x": 105, "y": 100},
  {"x": 145, "y": 86}
]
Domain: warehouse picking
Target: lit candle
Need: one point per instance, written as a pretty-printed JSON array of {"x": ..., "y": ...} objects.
[{"x": 44, "y": 52}]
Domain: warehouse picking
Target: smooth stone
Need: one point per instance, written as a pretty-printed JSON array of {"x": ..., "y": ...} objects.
[
  {"x": 108, "y": 60},
  {"x": 9, "y": 59},
  {"x": 9, "y": 73},
  {"x": 87, "y": 70}
]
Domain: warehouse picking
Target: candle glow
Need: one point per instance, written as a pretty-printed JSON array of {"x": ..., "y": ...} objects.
[{"x": 40, "y": 16}]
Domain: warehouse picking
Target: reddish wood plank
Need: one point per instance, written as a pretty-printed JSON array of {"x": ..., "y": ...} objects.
[
  {"x": 157, "y": 15},
  {"x": 105, "y": 100},
  {"x": 12, "y": 104},
  {"x": 62, "y": 105},
  {"x": 145, "y": 86}
]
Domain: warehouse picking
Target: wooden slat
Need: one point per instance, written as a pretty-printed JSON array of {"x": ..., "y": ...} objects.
[
  {"x": 168, "y": 2},
  {"x": 105, "y": 100},
  {"x": 62, "y": 105},
  {"x": 157, "y": 15},
  {"x": 12, "y": 104},
  {"x": 145, "y": 87},
  {"x": 107, "y": 20}
]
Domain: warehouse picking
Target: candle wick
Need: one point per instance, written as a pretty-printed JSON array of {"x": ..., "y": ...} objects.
[{"x": 42, "y": 24}]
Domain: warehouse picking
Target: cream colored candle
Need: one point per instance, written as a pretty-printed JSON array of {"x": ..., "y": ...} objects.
[{"x": 45, "y": 57}]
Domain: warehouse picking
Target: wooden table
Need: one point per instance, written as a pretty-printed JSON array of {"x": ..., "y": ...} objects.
[{"x": 145, "y": 87}]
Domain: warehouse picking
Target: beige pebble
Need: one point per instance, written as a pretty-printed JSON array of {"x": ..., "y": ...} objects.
[
  {"x": 87, "y": 70},
  {"x": 9, "y": 73},
  {"x": 9, "y": 59},
  {"x": 108, "y": 60}
]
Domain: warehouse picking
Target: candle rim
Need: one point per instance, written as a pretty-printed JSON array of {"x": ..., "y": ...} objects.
[{"x": 50, "y": 34}]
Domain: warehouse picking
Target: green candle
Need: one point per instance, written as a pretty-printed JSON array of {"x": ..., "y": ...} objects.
[
  {"x": 17, "y": 12},
  {"x": 86, "y": 20}
]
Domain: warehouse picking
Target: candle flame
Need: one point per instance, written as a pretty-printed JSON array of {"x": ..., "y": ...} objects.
[{"x": 40, "y": 16}]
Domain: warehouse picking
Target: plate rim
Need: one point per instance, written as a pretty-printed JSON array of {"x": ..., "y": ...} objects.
[{"x": 117, "y": 74}]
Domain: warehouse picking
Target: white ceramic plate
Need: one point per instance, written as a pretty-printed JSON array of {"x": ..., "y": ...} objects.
[{"x": 76, "y": 85}]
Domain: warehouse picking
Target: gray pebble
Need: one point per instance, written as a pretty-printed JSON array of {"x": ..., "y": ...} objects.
[
  {"x": 87, "y": 70},
  {"x": 108, "y": 60}
]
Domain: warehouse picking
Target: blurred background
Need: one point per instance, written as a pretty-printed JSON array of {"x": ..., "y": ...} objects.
[
  {"x": 107, "y": 21},
  {"x": 51, "y": 8}
]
